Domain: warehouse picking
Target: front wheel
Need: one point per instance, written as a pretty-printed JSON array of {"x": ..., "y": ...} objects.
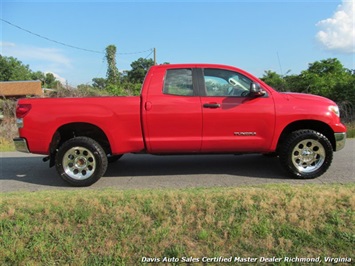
[
  {"x": 306, "y": 154},
  {"x": 81, "y": 161}
]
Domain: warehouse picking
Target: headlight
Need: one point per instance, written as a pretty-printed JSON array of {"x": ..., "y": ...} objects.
[{"x": 334, "y": 109}]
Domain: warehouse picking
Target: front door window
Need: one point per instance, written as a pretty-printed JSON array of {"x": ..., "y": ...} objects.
[{"x": 220, "y": 82}]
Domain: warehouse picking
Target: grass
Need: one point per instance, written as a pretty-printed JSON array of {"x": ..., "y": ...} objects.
[
  {"x": 6, "y": 145},
  {"x": 350, "y": 130},
  {"x": 113, "y": 227},
  {"x": 8, "y": 131}
]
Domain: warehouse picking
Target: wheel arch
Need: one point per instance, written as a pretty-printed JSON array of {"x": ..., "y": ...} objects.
[
  {"x": 82, "y": 129},
  {"x": 315, "y": 125}
]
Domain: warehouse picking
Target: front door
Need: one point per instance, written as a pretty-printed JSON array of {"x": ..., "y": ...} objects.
[{"x": 233, "y": 121}]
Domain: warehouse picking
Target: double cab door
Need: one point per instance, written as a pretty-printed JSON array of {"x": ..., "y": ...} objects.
[{"x": 207, "y": 110}]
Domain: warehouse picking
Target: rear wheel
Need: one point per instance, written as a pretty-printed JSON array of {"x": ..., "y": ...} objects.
[
  {"x": 81, "y": 161},
  {"x": 306, "y": 154}
]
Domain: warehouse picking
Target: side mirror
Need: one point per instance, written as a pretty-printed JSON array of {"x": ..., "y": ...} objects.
[{"x": 255, "y": 90}]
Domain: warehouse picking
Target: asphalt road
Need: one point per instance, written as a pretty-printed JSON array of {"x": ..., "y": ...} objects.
[{"x": 25, "y": 172}]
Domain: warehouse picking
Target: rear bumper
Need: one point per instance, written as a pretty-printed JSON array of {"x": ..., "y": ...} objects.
[
  {"x": 340, "y": 139},
  {"x": 21, "y": 145}
]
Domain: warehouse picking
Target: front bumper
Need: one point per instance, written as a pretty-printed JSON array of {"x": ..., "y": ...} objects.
[
  {"x": 340, "y": 139},
  {"x": 21, "y": 145}
]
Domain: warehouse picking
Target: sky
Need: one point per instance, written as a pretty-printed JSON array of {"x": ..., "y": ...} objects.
[{"x": 68, "y": 38}]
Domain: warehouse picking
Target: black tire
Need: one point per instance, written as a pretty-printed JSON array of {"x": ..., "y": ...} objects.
[
  {"x": 81, "y": 161},
  {"x": 306, "y": 154}
]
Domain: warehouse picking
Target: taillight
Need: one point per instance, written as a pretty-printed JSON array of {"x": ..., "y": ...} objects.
[{"x": 22, "y": 110}]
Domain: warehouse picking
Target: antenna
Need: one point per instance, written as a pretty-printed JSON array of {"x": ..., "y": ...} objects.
[{"x": 278, "y": 59}]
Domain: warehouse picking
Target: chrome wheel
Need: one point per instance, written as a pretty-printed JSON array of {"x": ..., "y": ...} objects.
[
  {"x": 308, "y": 155},
  {"x": 79, "y": 163}
]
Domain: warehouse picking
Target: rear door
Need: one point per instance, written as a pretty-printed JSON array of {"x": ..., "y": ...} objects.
[{"x": 173, "y": 113}]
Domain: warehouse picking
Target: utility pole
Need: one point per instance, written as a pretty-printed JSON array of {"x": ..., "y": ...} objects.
[{"x": 155, "y": 56}]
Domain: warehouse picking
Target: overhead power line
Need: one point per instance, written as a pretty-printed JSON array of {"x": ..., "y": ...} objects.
[
  {"x": 140, "y": 52},
  {"x": 51, "y": 40},
  {"x": 68, "y": 45}
]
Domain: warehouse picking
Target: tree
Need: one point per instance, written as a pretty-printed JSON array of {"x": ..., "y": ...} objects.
[
  {"x": 99, "y": 83},
  {"x": 140, "y": 68},
  {"x": 50, "y": 81},
  {"x": 13, "y": 69},
  {"x": 325, "y": 67},
  {"x": 323, "y": 77},
  {"x": 296, "y": 83},
  {"x": 274, "y": 80},
  {"x": 327, "y": 78},
  {"x": 112, "y": 71},
  {"x": 38, "y": 75}
]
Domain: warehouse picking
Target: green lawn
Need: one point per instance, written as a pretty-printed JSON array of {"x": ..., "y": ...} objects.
[{"x": 114, "y": 227}]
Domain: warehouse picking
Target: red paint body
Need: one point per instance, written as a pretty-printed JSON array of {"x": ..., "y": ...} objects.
[{"x": 158, "y": 123}]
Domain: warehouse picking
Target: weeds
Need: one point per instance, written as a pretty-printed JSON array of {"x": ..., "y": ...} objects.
[
  {"x": 8, "y": 131},
  {"x": 121, "y": 227},
  {"x": 350, "y": 130}
]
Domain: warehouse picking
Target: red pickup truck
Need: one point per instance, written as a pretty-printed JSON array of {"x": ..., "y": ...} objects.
[{"x": 182, "y": 109}]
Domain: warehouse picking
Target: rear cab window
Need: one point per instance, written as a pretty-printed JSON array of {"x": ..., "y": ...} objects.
[{"x": 178, "y": 82}]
